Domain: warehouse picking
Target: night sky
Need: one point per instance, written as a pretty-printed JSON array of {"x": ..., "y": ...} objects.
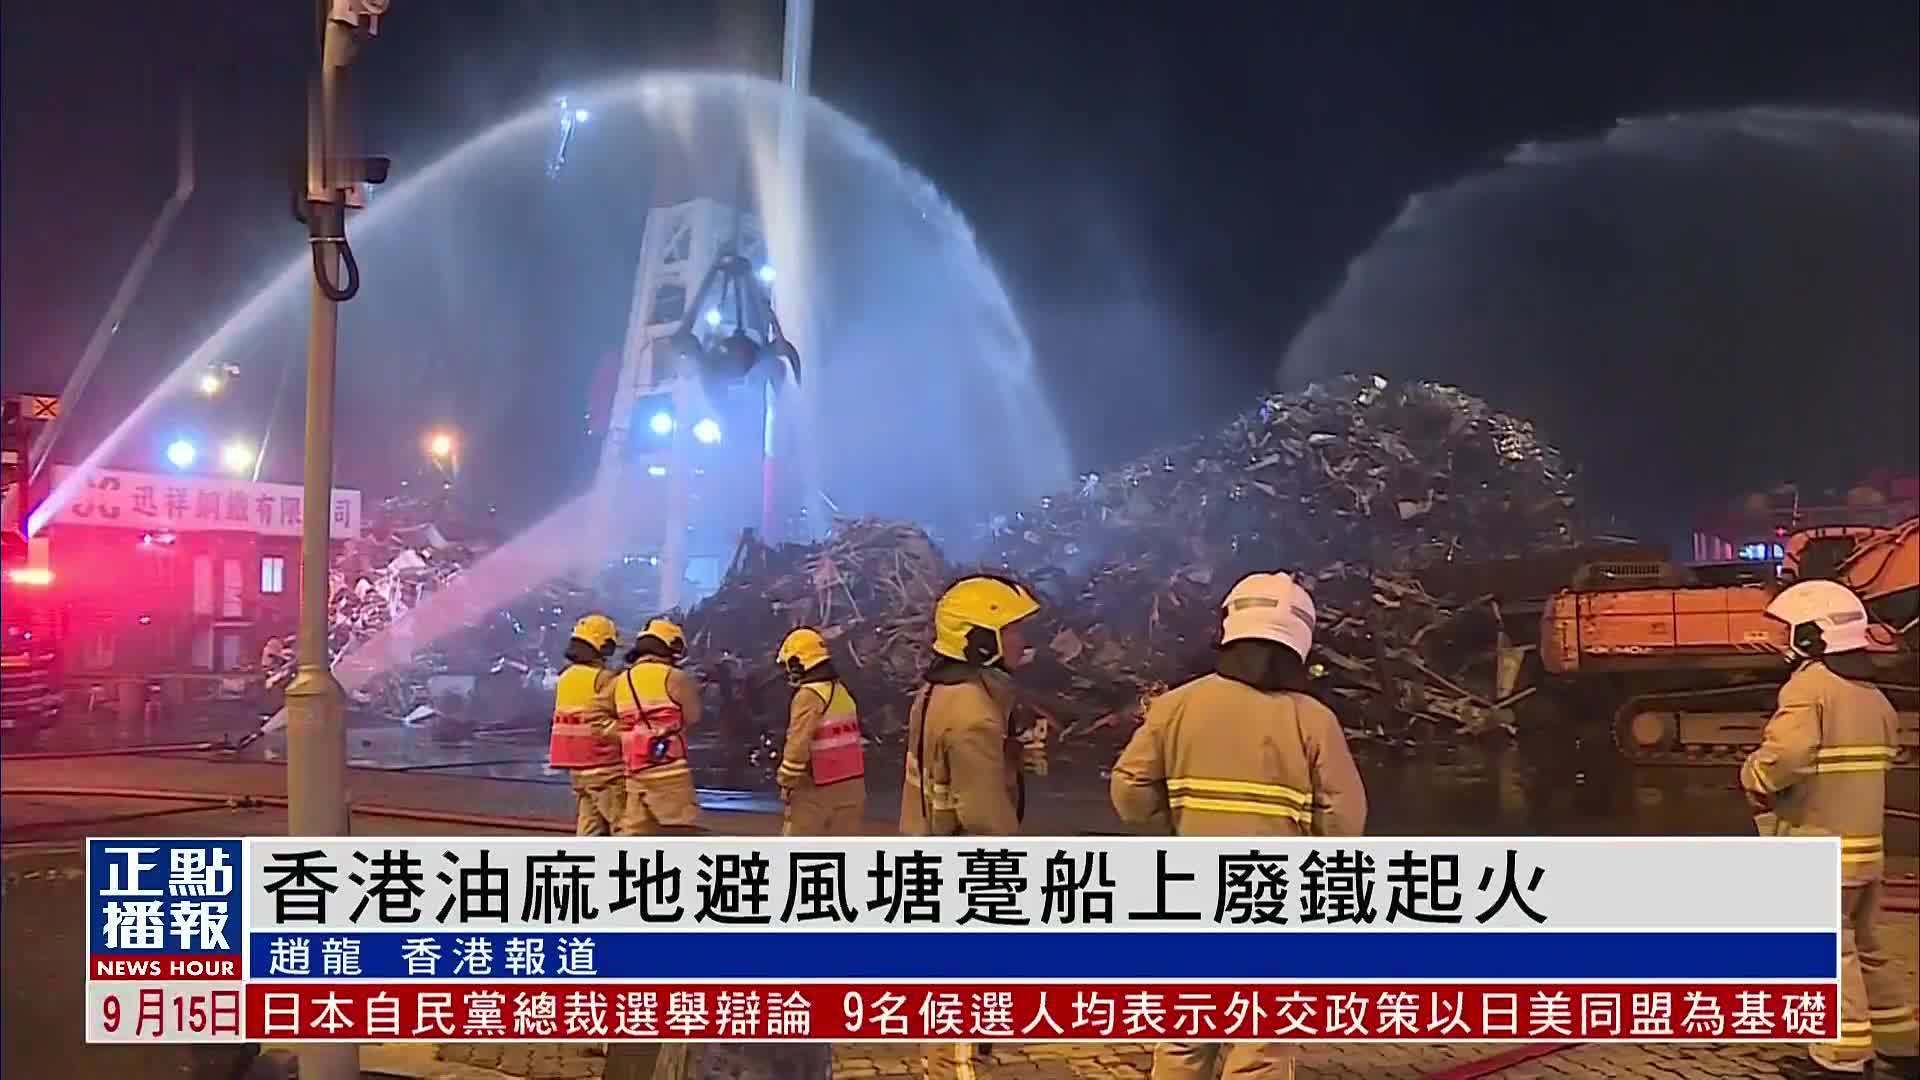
[{"x": 1171, "y": 191}]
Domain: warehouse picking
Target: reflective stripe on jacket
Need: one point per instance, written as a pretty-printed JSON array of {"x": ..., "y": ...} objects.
[
  {"x": 1823, "y": 760},
  {"x": 963, "y": 772},
  {"x": 823, "y": 738},
  {"x": 585, "y": 735},
  {"x": 1217, "y": 757},
  {"x": 655, "y": 702}
]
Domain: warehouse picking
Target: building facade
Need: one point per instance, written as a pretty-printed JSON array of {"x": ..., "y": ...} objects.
[
  {"x": 166, "y": 573},
  {"x": 1754, "y": 528}
]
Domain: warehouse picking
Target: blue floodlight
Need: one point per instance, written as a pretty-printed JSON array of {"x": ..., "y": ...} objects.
[
  {"x": 707, "y": 431},
  {"x": 661, "y": 424},
  {"x": 181, "y": 453}
]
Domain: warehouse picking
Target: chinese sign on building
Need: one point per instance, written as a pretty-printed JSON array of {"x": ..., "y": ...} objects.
[
  {"x": 117, "y": 499},
  {"x": 963, "y": 938}
]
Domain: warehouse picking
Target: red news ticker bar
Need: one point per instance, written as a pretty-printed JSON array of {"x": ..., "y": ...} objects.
[
  {"x": 165, "y": 968},
  {"x": 1055, "y": 1012}
]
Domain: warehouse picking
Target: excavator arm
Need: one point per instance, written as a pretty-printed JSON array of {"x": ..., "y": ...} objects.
[{"x": 1881, "y": 566}]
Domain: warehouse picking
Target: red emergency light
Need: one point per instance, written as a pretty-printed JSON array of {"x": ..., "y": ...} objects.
[{"x": 35, "y": 576}]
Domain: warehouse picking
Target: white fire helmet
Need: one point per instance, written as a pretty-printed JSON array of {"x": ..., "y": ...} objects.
[
  {"x": 1823, "y": 617},
  {"x": 1269, "y": 607}
]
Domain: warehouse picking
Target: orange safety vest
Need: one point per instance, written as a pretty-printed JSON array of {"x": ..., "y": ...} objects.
[
  {"x": 575, "y": 744},
  {"x": 652, "y": 731},
  {"x": 836, "y": 753}
]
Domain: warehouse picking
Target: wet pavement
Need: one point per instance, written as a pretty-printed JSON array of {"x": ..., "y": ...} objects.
[{"x": 1545, "y": 784}]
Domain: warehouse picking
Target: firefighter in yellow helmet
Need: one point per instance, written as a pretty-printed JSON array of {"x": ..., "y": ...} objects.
[
  {"x": 1821, "y": 770},
  {"x": 1245, "y": 751},
  {"x": 963, "y": 763},
  {"x": 823, "y": 769},
  {"x": 963, "y": 773},
  {"x": 657, "y": 704},
  {"x": 586, "y": 736}
]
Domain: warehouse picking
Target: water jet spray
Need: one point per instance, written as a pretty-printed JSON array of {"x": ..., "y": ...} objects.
[
  {"x": 901, "y": 298},
  {"x": 103, "y": 332}
]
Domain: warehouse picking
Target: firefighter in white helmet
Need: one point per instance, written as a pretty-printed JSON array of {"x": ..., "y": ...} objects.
[
  {"x": 657, "y": 703},
  {"x": 823, "y": 769},
  {"x": 1821, "y": 770},
  {"x": 585, "y": 740},
  {"x": 1244, "y": 751}
]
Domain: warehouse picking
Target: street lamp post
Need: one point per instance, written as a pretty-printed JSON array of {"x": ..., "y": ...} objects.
[{"x": 316, "y": 705}]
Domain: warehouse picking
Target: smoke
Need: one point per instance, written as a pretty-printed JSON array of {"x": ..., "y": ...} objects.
[{"x": 1694, "y": 304}]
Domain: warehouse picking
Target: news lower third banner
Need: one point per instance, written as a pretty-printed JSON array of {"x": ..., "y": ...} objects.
[{"x": 962, "y": 938}]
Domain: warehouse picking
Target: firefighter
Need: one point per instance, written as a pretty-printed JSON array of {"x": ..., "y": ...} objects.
[
  {"x": 657, "y": 703},
  {"x": 963, "y": 774},
  {"x": 586, "y": 737},
  {"x": 1821, "y": 770},
  {"x": 1244, "y": 751},
  {"x": 823, "y": 770}
]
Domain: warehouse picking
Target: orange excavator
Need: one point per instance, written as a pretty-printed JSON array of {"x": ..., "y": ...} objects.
[{"x": 1689, "y": 666}]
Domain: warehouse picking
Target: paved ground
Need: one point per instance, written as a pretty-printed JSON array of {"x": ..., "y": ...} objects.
[{"x": 1555, "y": 782}]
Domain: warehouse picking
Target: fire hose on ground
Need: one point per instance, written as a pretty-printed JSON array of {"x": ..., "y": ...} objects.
[{"x": 121, "y": 751}]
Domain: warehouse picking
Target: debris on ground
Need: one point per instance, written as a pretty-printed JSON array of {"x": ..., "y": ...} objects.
[{"x": 1355, "y": 484}]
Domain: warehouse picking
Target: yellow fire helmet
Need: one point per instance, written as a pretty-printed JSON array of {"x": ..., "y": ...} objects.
[
  {"x": 668, "y": 634},
  {"x": 596, "y": 630},
  {"x": 970, "y": 615},
  {"x": 802, "y": 651}
]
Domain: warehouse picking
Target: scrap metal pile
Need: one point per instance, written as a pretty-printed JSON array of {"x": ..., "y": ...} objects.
[
  {"x": 1354, "y": 484},
  {"x": 401, "y": 558},
  {"x": 870, "y": 587}
]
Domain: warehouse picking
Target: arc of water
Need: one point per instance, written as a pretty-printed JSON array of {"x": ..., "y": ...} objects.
[
  {"x": 1660, "y": 134},
  {"x": 185, "y": 180},
  {"x": 789, "y": 247},
  {"x": 667, "y": 98}
]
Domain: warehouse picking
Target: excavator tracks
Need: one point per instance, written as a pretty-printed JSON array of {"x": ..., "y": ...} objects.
[{"x": 1722, "y": 725}]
